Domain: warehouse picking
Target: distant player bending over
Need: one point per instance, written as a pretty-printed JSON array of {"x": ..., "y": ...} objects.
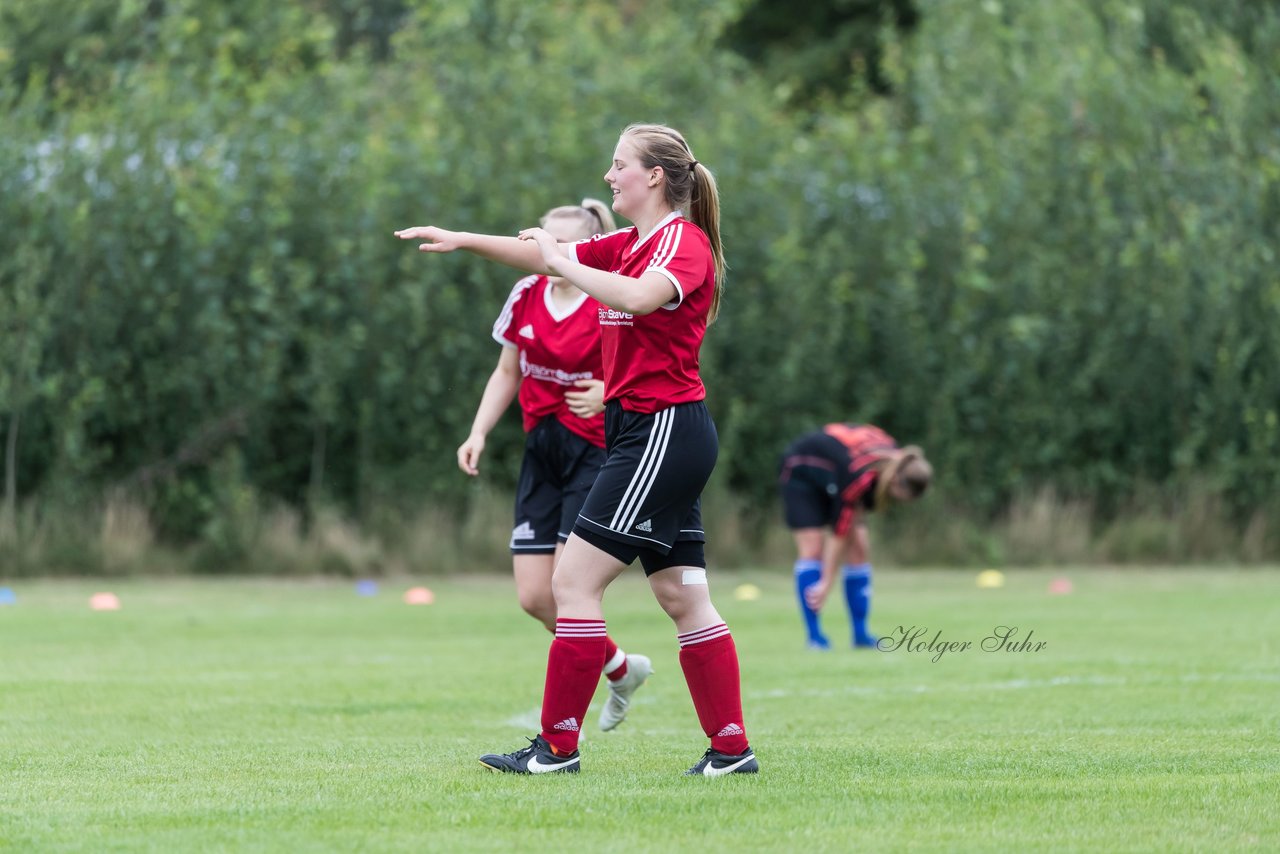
[{"x": 828, "y": 479}]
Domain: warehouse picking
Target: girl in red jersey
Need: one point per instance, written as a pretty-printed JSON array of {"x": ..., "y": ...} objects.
[
  {"x": 828, "y": 479},
  {"x": 550, "y": 338},
  {"x": 659, "y": 284}
]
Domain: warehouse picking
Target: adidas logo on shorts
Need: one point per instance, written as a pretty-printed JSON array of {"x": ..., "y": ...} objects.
[
  {"x": 523, "y": 531},
  {"x": 646, "y": 526},
  {"x": 567, "y": 725}
]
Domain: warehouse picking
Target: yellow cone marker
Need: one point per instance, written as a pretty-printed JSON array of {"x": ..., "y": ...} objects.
[{"x": 990, "y": 578}]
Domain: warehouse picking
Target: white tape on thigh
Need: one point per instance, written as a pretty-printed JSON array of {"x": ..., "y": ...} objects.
[{"x": 694, "y": 576}]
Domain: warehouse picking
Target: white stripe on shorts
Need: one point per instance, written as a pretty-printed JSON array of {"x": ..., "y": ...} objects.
[{"x": 646, "y": 473}]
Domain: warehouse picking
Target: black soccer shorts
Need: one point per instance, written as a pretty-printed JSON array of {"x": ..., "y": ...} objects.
[
  {"x": 645, "y": 501},
  {"x": 808, "y": 487},
  {"x": 556, "y": 474}
]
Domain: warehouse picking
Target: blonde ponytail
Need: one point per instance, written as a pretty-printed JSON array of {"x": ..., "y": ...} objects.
[
  {"x": 705, "y": 213},
  {"x": 591, "y": 217},
  {"x": 602, "y": 213}
]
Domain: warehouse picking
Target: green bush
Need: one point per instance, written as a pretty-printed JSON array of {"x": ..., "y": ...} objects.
[{"x": 1048, "y": 256}]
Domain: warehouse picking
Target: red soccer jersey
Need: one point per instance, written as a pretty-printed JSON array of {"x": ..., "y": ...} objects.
[
  {"x": 556, "y": 349},
  {"x": 651, "y": 361}
]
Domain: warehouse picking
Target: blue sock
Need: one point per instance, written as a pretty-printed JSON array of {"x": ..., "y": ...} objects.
[
  {"x": 808, "y": 573},
  {"x": 857, "y": 593}
]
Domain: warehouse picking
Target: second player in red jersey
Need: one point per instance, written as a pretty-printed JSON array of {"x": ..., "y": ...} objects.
[{"x": 550, "y": 339}]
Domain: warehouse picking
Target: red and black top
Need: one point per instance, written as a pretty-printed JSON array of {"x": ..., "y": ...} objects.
[{"x": 848, "y": 453}]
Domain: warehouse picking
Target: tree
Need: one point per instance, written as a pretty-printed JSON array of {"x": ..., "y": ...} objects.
[
  {"x": 24, "y": 326},
  {"x": 813, "y": 51}
]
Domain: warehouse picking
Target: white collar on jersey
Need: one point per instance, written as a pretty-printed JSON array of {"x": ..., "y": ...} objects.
[
  {"x": 558, "y": 314},
  {"x": 665, "y": 220}
]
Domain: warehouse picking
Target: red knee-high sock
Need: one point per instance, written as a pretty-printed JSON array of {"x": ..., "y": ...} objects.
[
  {"x": 615, "y": 660},
  {"x": 710, "y": 663},
  {"x": 573, "y": 671}
]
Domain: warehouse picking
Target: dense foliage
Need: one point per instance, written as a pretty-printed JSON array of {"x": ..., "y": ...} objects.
[
  {"x": 812, "y": 51},
  {"x": 1048, "y": 255}
]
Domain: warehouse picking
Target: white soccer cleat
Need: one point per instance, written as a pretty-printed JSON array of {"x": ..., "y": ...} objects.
[{"x": 615, "y": 708}]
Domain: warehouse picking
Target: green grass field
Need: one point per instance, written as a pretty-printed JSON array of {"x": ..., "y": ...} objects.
[{"x": 292, "y": 716}]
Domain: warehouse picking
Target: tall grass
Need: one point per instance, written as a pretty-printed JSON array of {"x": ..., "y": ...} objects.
[{"x": 251, "y": 535}]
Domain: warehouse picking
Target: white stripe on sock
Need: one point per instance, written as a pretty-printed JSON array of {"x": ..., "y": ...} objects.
[
  {"x": 593, "y": 629},
  {"x": 703, "y": 635},
  {"x": 619, "y": 658}
]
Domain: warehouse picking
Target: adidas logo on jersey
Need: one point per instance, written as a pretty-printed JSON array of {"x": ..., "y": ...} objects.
[
  {"x": 523, "y": 531},
  {"x": 646, "y": 526},
  {"x": 731, "y": 729},
  {"x": 567, "y": 725},
  {"x": 526, "y": 331}
]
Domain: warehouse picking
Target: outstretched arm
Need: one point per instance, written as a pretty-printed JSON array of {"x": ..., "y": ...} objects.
[
  {"x": 635, "y": 296},
  {"x": 511, "y": 251}
]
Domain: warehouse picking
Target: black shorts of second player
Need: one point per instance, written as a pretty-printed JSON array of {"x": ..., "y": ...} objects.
[
  {"x": 810, "y": 495},
  {"x": 557, "y": 472},
  {"x": 645, "y": 501}
]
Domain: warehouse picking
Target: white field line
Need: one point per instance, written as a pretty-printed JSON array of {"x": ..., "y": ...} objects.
[{"x": 1009, "y": 685}]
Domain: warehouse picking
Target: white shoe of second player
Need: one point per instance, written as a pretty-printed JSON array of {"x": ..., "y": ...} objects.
[{"x": 615, "y": 708}]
